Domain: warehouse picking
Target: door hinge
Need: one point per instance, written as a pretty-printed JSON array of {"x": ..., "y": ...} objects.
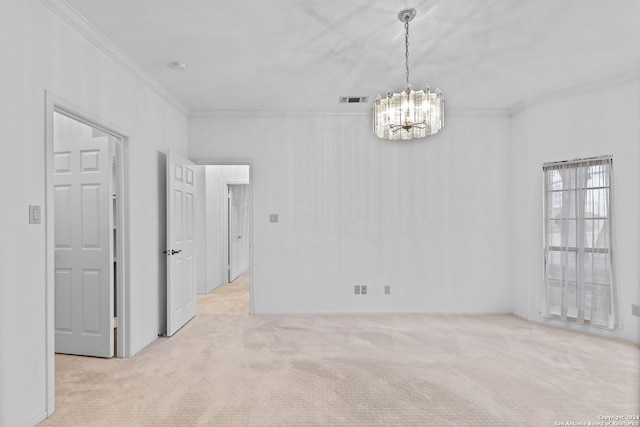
[{"x": 114, "y": 322}]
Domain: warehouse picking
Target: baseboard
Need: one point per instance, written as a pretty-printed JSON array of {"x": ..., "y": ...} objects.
[
  {"x": 374, "y": 313},
  {"x": 602, "y": 333},
  {"x": 37, "y": 419}
]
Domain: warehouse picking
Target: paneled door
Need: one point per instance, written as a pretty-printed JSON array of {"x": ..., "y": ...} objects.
[
  {"x": 83, "y": 228},
  {"x": 181, "y": 277},
  {"x": 238, "y": 216}
]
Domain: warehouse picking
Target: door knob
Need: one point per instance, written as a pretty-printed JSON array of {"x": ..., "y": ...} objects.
[{"x": 173, "y": 251}]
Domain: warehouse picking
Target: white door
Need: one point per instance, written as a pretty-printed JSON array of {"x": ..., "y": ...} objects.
[
  {"x": 238, "y": 217},
  {"x": 83, "y": 227},
  {"x": 181, "y": 277}
]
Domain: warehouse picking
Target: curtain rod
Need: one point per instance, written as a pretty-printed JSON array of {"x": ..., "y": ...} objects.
[{"x": 586, "y": 159}]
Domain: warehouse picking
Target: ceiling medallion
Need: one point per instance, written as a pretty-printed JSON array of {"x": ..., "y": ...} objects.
[{"x": 408, "y": 114}]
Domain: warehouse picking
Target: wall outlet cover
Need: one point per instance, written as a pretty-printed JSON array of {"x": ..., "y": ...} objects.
[{"x": 635, "y": 310}]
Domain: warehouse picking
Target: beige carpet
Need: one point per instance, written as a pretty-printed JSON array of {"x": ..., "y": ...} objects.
[{"x": 228, "y": 368}]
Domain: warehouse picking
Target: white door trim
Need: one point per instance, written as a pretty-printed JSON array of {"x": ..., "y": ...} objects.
[
  {"x": 238, "y": 162},
  {"x": 54, "y": 103}
]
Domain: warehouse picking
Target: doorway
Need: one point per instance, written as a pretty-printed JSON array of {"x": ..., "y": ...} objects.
[
  {"x": 219, "y": 178},
  {"x": 237, "y": 230},
  {"x": 85, "y": 205},
  {"x": 101, "y": 227}
]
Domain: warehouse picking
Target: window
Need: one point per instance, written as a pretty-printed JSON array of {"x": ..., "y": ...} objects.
[{"x": 578, "y": 261}]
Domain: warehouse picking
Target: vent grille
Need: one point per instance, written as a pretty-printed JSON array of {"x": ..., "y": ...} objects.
[{"x": 354, "y": 99}]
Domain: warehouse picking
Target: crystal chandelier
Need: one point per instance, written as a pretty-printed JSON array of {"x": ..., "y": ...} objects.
[{"x": 408, "y": 114}]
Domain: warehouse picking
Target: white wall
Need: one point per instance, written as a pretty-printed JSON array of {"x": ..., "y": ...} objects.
[
  {"x": 428, "y": 217},
  {"x": 604, "y": 121},
  {"x": 47, "y": 54},
  {"x": 216, "y": 178}
]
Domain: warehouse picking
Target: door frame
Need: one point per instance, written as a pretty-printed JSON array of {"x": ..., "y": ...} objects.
[
  {"x": 226, "y": 253},
  {"x": 237, "y": 162},
  {"x": 55, "y": 103}
]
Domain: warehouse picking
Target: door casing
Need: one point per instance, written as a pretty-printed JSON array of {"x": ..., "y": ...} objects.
[{"x": 55, "y": 103}]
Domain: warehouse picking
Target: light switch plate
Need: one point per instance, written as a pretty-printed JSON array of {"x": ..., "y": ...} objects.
[
  {"x": 273, "y": 218},
  {"x": 34, "y": 214}
]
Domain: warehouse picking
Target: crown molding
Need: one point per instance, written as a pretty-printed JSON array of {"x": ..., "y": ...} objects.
[
  {"x": 253, "y": 114},
  {"x": 600, "y": 85},
  {"x": 85, "y": 28}
]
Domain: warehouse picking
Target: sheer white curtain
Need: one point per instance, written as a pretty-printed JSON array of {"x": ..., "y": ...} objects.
[{"x": 579, "y": 276}]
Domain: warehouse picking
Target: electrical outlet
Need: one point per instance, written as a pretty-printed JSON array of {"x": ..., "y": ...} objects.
[
  {"x": 363, "y": 288},
  {"x": 356, "y": 289},
  {"x": 635, "y": 310},
  {"x": 387, "y": 289}
]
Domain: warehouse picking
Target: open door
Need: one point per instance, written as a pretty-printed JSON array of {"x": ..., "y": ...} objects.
[
  {"x": 181, "y": 274},
  {"x": 238, "y": 229},
  {"x": 83, "y": 251}
]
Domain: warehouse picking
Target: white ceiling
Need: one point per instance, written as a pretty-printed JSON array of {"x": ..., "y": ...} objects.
[{"x": 301, "y": 55}]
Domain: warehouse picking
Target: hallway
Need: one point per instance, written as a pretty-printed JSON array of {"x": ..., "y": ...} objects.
[{"x": 231, "y": 298}]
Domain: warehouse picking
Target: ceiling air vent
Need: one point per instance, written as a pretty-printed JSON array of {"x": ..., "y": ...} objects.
[{"x": 353, "y": 99}]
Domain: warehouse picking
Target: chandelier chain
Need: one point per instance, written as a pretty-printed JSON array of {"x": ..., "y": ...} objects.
[{"x": 406, "y": 44}]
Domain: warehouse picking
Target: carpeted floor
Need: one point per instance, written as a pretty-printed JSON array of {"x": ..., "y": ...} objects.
[{"x": 228, "y": 368}]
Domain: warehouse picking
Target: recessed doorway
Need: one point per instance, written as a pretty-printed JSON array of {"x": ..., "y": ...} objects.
[
  {"x": 87, "y": 222},
  {"x": 226, "y": 252},
  {"x": 85, "y": 212}
]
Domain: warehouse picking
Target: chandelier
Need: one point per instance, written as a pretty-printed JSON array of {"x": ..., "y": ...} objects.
[{"x": 408, "y": 114}]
